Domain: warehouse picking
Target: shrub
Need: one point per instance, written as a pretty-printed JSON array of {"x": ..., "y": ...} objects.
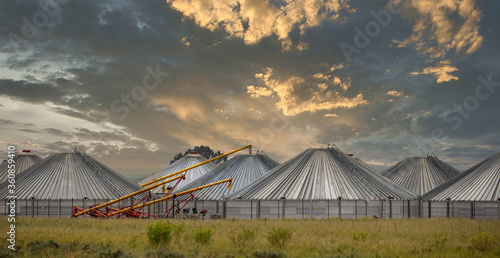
[
  {"x": 244, "y": 237},
  {"x": 159, "y": 233},
  {"x": 178, "y": 231},
  {"x": 440, "y": 241},
  {"x": 203, "y": 235},
  {"x": 279, "y": 236},
  {"x": 132, "y": 243},
  {"x": 481, "y": 242},
  {"x": 359, "y": 236}
]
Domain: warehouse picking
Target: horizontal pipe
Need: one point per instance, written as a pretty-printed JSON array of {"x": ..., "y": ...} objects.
[
  {"x": 197, "y": 165},
  {"x": 230, "y": 180}
]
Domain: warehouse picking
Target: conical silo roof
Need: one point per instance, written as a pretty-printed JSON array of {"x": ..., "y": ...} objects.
[
  {"x": 322, "y": 174},
  {"x": 420, "y": 174},
  {"x": 365, "y": 165},
  {"x": 185, "y": 162},
  {"x": 479, "y": 183},
  {"x": 22, "y": 162},
  {"x": 244, "y": 169},
  {"x": 70, "y": 176}
]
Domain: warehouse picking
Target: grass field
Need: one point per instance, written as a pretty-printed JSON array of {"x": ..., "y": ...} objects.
[{"x": 41, "y": 237}]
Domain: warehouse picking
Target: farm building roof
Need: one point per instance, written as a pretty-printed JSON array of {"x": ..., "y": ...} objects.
[
  {"x": 323, "y": 173},
  {"x": 185, "y": 162},
  {"x": 70, "y": 176},
  {"x": 22, "y": 162},
  {"x": 420, "y": 174},
  {"x": 479, "y": 183},
  {"x": 244, "y": 169}
]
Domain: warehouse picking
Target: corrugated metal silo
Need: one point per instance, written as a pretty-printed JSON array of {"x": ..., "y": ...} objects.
[
  {"x": 420, "y": 174},
  {"x": 244, "y": 169},
  {"x": 319, "y": 174}
]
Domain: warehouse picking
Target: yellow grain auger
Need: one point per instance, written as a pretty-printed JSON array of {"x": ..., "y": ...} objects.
[{"x": 134, "y": 210}]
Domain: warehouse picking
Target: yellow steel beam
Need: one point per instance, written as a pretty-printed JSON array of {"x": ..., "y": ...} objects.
[
  {"x": 230, "y": 180},
  {"x": 127, "y": 196},
  {"x": 197, "y": 165},
  {"x": 158, "y": 184}
]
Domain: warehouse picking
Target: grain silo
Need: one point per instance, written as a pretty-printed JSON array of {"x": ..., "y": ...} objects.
[
  {"x": 479, "y": 183},
  {"x": 322, "y": 174},
  {"x": 420, "y": 174},
  {"x": 364, "y": 164},
  {"x": 23, "y": 160},
  {"x": 185, "y": 162},
  {"x": 74, "y": 176},
  {"x": 244, "y": 169}
]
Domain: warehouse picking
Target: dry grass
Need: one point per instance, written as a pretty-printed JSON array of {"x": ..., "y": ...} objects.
[{"x": 311, "y": 238}]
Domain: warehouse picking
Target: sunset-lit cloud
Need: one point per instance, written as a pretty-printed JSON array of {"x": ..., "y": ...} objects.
[
  {"x": 292, "y": 102},
  {"x": 253, "y": 20},
  {"x": 444, "y": 26},
  {"x": 442, "y": 72},
  {"x": 267, "y": 73},
  {"x": 395, "y": 93}
]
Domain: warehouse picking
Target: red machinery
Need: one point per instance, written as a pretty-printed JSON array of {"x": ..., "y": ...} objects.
[{"x": 135, "y": 210}]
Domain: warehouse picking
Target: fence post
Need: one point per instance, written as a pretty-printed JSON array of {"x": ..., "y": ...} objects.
[
  {"x": 311, "y": 209},
  {"x": 328, "y": 208},
  {"x": 251, "y": 209},
  {"x": 278, "y": 208},
  {"x": 59, "y": 203},
  {"x": 355, "y": 209},
  {"x": 472, "y": 210},
  {"x": 429, "y": 209},
  {"x": 409, "y": 209},
  {"x": 216, "y": 207},
  {"x": 48, "y": 208},
  {"x": 390, "y": 208},
  {"x": 340, "y": 207}
]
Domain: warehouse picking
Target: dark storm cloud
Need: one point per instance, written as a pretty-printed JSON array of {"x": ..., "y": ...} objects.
[{"x": 94, "y": 53}]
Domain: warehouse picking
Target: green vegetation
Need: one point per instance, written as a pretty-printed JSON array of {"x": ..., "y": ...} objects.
[
  {"x": 160, "y": 233},
  {"x": 203, "y": 235},
  {"x": 244, "y": 237},
  {"x": 359, "y": 236},
  {"x": 85, "y": 237},
  {"x": 279, "y": 236}
]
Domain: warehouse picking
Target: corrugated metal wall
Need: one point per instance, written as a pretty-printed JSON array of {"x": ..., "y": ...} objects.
[{"x": 277, "y": 209}]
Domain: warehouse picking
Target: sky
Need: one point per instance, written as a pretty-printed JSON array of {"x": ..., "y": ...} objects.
[{"x": 135, "y": 82}]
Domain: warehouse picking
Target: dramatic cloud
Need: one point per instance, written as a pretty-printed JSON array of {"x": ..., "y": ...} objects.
[
  {"x": 295, "y": 95},
  {"x": 395, "y": 93},
  {"x": 443, "y": 26},
  {"x": 253, "y": 20},
  {"x": 442, "y": 72},
  {"x": 269, "y": 73}
]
